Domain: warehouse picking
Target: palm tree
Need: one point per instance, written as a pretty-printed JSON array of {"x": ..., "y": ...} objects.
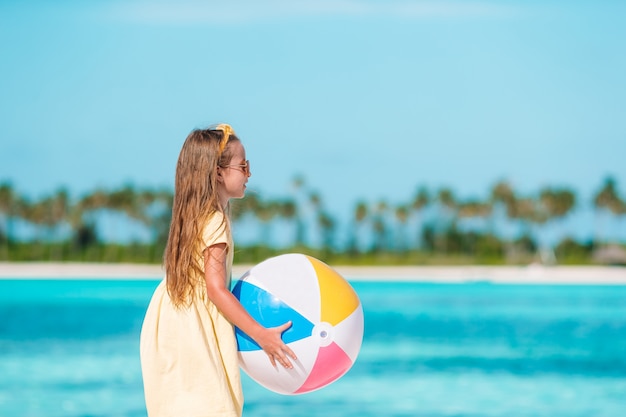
[
  {"x": 36, "y": 213},
  {"x": 92, "y": 202},
  {"x": 288, "y": 210},
  {"x": 7, "y": 212},
  {"x": 608, "y": 200},
  {"x": 358, "y": 220},
  {"x": 325, "y": 222},
  {"x": 84, "y": 219},
  {"x": 161, "y": 219},
  {"x": 57, "y": 206},
  {"x": 298, "y": 184},
  {"x": 502, "y": 192},
  {"x": 327, "y": 228},
  {"x": 420, "y": 201},
  {"x": 502, "y": 200},
  {"x": 127, "y": 200},
  {"x": 554, "y": 204},
  {"x": 607, "y": 197},
  {"x": 447, "y": 215},
  {"x": 379, "y": 226},
  {"x": 266, "y": 212},
  {"x": 250, "y": 204},
  {"x": 402, "y": 217},
  {"x": 315, "y": 202},
  {"x": 527, "y": 211},
  {"x": 524, "y": 210},
  {"x": 475, "y": 209},
  {"x": 471, "y": 209},
  {"x": 502, "y": 196},
  {"x": 152, "y": 208},
  {"x": 557, "y": 202}
]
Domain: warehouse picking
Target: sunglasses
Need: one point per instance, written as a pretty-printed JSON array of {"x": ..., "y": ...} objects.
[{"x": 245, "y": 167}]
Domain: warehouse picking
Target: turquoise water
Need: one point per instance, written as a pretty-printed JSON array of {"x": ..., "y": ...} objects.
[{"x": 70, "y": 348}]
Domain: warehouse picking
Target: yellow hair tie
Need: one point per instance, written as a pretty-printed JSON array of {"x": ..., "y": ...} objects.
[{"x": 226, "y": 132}]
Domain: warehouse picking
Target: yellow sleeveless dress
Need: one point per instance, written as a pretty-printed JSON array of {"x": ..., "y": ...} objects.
[{"x": 189, "y": 356}]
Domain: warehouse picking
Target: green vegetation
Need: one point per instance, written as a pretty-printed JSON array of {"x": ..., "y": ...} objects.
[{"x": 432, "y": 228}]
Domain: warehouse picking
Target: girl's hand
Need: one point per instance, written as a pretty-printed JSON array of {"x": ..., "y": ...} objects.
[
  {"x": 272, "y": 344},
  {"x": 268, "y": 338}
]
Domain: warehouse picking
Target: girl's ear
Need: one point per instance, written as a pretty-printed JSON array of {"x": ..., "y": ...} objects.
[{"x": 218, "y": 174}]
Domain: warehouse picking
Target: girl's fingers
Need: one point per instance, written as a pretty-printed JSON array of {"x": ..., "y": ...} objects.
[
  {"x": 282, "y": 360},
  {"x": 281, "y": 353},
  {"x": 283, "y": 357},
  {"x": 290, "y": 353},
  {"x": 284, "y": 327},
  {"x": 286, "y": 364}
]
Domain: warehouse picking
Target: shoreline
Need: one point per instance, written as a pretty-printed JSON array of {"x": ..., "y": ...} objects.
[{"x": 531, "y": 274}]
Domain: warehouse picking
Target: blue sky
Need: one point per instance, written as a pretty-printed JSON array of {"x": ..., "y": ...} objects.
[{"x": 365, "y": 99}]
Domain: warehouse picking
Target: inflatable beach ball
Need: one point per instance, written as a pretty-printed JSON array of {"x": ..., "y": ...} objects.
[{"x": 327, "y": 319}]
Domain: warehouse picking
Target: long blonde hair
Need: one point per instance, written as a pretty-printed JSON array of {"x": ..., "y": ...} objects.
[{"x": 195, "y": 200}]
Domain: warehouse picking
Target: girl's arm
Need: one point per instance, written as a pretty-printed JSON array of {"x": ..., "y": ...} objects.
[{"x": 268, "y": 338}]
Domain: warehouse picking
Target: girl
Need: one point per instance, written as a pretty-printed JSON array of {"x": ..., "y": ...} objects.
[{"x": 188, "y": 346}]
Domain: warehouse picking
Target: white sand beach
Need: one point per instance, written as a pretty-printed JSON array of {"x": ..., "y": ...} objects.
[{"x": 532, "y": 274}]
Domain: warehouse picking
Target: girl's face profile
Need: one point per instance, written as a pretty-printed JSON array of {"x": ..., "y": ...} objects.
[{"x": 234, "y": 176}]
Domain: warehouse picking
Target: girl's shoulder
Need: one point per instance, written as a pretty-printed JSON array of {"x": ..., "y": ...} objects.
[
  {"x": 216, "y": 220},
  {"x": 216, "y": 229}
]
